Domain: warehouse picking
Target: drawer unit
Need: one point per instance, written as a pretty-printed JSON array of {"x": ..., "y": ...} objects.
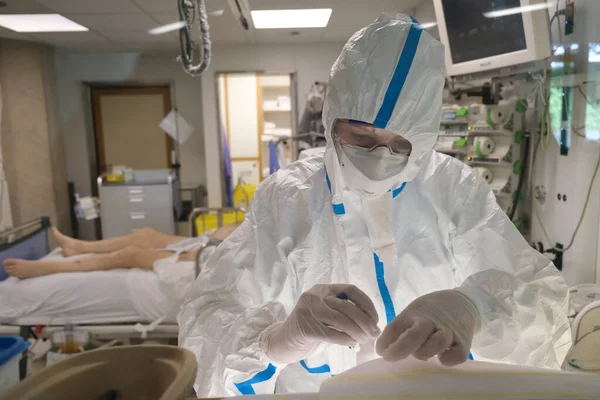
[{"x": 126, "y": 208}]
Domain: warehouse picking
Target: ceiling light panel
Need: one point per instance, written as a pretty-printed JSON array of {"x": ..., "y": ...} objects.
[
  {"x": 24, "y": 23},
  {"x": 282, "y": 19}
]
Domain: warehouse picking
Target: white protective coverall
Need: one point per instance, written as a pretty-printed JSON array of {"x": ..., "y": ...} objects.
[{"x": 434, "y": 226}]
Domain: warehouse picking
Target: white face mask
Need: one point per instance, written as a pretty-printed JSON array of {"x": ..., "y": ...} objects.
[{"x": 378, "y": 164}]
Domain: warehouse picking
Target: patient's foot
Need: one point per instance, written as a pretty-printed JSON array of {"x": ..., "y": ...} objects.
[
  {"x": 24, "y": 269},
  {"x": 70, "y": 246}
]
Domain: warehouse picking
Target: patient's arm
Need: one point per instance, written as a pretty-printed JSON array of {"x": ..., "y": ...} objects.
[
  {"x": 128, "y": 257},
  {"x": 223, "y": 232}
]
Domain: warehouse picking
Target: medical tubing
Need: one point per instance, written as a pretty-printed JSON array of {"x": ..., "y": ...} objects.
[
  {"x": 187, "y": 45},
  {"x": 516, "y": 199}
]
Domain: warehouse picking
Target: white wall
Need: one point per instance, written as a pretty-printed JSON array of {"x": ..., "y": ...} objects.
[
  {"x": 310, "y": 62},
  {"x": 571, "y": 175},
  {"x": 75, "y": 70}
]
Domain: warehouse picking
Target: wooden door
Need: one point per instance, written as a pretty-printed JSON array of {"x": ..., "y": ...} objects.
[{"x": 126, "y": 125}]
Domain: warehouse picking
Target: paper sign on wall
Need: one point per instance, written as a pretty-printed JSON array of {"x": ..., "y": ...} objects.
[{"x": 176, "y": 127}]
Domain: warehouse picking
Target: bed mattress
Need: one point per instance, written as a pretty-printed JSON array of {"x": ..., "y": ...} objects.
[{"x": 100, "y": 297}]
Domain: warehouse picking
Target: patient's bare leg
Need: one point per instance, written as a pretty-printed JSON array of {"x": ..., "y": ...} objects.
[
  {"x": 146, "y": 238},
  {"x": 128, "y": 257}
]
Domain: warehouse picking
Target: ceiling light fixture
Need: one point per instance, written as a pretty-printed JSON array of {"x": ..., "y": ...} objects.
[
  {"x": 173, "y": 26},
  {"x": 300, "y": 18},
  {"x": 516, "y": 10},
  {"x": 216, "y": 13},
  {"x": 39, "y": 23}
]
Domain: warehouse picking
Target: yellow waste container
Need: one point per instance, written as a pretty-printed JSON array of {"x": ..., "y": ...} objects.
[{"x": 210, "y": 220}]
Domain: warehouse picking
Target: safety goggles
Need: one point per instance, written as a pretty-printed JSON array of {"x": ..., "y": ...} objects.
[{"x": 369, "y": 137}]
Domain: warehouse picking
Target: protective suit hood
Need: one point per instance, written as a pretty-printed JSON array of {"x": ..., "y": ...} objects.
[{"x": 396, "y": 84}]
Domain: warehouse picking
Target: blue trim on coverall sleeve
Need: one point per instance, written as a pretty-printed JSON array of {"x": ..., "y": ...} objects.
[{"x": 246, "y": 388}]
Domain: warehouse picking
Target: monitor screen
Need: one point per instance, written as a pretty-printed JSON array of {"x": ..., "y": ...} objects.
[{"x": 472, "y": 36}]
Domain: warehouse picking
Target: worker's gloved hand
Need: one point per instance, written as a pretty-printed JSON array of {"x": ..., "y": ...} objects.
[
  {"x": 340, "y": 314},
  {"x": 440, "y": 323}
]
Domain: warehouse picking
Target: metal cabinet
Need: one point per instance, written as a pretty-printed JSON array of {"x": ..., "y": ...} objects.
[{"x": 148, "y": 201}]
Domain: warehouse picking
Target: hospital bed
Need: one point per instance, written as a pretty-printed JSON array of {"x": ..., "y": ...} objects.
[
  {"x": 101, "y": 302},
  {"x": 126, "y": 305}
]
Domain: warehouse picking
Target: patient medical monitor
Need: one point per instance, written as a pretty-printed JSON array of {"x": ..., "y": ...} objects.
[{"x": 482, "y": 35}]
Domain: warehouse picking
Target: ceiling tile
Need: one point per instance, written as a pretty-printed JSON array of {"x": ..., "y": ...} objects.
[
  {"x": 24, "y": 7},
  {"x": 170, "y": 6},
  {"x": 225, "y": 29},
  {"x": 357, "y": 5},
  {"x": 157, "y": 5},
  {"x": 233, "y": 36},
  {"x": 8, "y": 34},
  {"x": 114, "y": 22},
  {"x": 285, "y": 5},
  {"x": 69, "y": 37},
  {"x": 166, "y": 17},
  {"x": 139, "y": 37},
  {"x": 90, "y": 6},
  {"x": 79, "y": 41}
]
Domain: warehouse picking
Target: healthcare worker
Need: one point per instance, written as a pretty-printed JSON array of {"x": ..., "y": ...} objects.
[{"x": 380, "y": 238}]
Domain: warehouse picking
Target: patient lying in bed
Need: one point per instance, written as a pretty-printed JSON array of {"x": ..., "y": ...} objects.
[
  {"x": 126, "y": 280},
  {"x": 141, "y": 250}
]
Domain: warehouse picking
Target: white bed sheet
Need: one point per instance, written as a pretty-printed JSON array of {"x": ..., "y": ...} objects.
[{"x": 99, "y": 297}]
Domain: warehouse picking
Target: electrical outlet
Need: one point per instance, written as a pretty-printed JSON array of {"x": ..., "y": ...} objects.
[{"x": 561, "y": 197}]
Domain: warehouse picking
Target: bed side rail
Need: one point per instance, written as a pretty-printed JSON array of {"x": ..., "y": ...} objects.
[
  {"x": 24, "y": 231},
  {"x": 219, "y": 213}
]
